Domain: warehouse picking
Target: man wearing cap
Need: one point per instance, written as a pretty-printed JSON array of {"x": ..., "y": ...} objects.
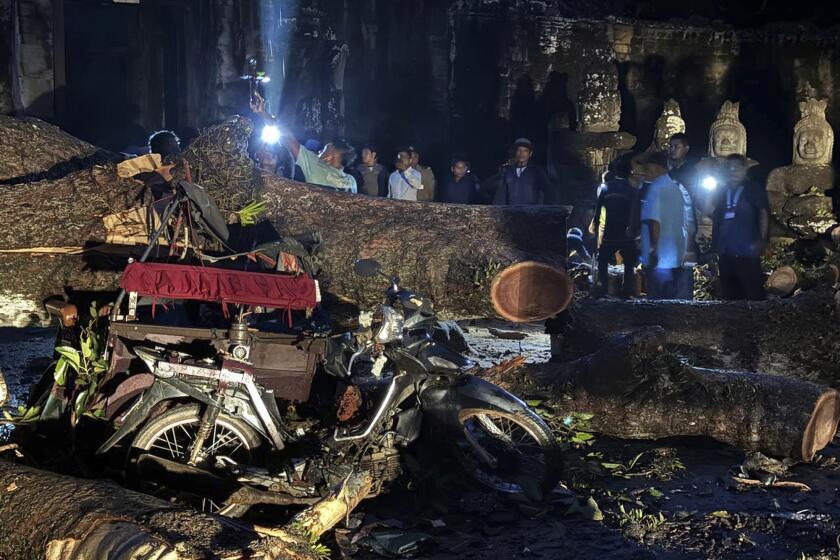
[{"x": 522, "y": 182}]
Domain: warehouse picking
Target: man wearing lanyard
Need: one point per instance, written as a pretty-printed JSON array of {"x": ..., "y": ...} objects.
[{"x": 739, "y": 234}]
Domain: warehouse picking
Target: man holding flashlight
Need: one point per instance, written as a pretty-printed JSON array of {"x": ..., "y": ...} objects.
[
  {"x": 325, "y": 169},
  {"x": 739, "y": 234}
]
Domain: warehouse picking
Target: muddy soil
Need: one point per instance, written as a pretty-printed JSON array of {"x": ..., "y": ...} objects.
[{"x": 671, "y": 499}]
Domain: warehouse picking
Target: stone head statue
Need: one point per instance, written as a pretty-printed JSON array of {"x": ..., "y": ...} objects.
[
  {"x": 670, "y": 122},
  {"x": 727, "y": 135},
  {"x": 813, "y": 138}
]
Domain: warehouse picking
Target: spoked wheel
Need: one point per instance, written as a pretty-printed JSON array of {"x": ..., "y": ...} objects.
[
  {"x": 171, "y": 436},
  {"x": 510, "y": 453}
]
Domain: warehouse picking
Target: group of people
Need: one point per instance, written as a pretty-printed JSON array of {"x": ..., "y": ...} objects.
[
  {"x": 651, "y": 206},
  {"x": 334, "y": 165},
  {"x": 647, "y": 211}
]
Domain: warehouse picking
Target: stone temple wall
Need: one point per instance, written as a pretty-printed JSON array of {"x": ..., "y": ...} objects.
[
  {"x": 539, "y": 66},
  {"x": 466, "y": 75}
]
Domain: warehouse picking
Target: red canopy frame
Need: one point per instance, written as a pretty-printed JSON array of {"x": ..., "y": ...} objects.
[{"x": 178, "y": 281}]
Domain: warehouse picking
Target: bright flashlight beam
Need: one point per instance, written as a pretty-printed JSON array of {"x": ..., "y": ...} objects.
[
  {"x": 270, "y": 134},
  {"x": 709, "y": 183}
]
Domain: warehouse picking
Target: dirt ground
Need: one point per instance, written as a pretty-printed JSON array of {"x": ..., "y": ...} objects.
[{"x": 670, "y": 499}]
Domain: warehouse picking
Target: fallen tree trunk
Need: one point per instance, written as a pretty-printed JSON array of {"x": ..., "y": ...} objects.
[
  {"x": 637, "y": 390},
  {"x": 785, "y": 280},
  {"x": 449, "y": 252},
  {"x": 46, "y": 515},
  {"x": 794, "y": 337}
]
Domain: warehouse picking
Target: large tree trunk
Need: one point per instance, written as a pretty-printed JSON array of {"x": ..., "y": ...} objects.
[
  {"x": 449, "y": 252},
  {"x": 637, "y": 390},
  {"x": 794, "y": 337},
  {"x": 46, "y": 515}
]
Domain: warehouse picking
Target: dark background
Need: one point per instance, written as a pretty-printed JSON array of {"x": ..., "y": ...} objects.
[{"x": 466, "y": 76}]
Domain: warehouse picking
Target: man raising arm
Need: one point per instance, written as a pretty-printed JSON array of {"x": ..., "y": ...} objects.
[{"x": 325, "y": 169}]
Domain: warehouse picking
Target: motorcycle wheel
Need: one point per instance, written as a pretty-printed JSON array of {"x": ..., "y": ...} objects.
[
  {"x": 511, "y": 453},
  {"x": 171, "y": 434}
]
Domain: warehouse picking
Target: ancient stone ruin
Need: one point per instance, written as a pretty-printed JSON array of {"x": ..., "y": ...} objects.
[
  {"x": 797, "y": 192},
  {"x": 670, "y": 122}
]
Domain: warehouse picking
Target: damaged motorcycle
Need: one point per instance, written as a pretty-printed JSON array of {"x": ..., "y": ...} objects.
[{"x": 221, "y": 388}]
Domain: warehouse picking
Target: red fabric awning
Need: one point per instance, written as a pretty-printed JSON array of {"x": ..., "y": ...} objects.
[{"x": 177, "y": 281}]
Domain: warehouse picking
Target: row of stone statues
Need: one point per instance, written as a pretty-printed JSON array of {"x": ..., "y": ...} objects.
[{"x": 797, "y": 192}]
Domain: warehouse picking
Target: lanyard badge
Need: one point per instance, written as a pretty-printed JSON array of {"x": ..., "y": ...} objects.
[{"x": 732, "y": 200}]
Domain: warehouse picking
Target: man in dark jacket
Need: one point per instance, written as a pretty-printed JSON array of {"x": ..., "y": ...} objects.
[
  {"x": 617, "y": 199},
  {"x": 460, "y": 186},
  {"x": 739, "y": 234},
  {"x": 371, "y": 176},
  {"x": 523, "y": 182}
]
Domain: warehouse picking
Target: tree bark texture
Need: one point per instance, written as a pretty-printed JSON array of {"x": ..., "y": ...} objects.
[
  {"x": 31, "y": 149},
  {"x": 637, "y": 390},
  {"x": 792, "y": 337},
  {"x": 47, "y": 515},
  {"x": 448, "y": 252}
]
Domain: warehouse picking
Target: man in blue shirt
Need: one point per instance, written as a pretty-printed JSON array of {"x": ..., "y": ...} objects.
[
  {"x": 664, "y": 230},
  {"x": 739, "y": 232},
  {"x": 522, "y": 182}
]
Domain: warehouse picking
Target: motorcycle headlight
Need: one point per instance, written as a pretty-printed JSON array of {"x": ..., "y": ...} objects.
[{"x": 392, "y": 325}]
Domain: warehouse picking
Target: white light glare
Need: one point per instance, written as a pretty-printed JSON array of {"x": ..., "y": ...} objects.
[
  {"x": 270, "y": 134},
  {"x": 709, "y": 183}
]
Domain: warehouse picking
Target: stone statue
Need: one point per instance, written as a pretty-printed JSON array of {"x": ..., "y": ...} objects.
[
  {"x": 727, "y": 135},
  {"x": 670, "y": 122},
  {"x": 599, "y": 103},
  {"x": 813, "y": 138},
  {"x": 797, "y": 192}
]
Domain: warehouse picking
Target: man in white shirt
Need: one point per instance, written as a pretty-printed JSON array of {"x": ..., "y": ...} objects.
[
  {"x": 664, "y": 228},
  {"x": 405, "y": 182}
]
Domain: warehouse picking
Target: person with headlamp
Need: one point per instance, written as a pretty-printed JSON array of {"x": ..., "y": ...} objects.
[
  {"x": 326, "y": 168},
  {"x": 739, "y": 232}
]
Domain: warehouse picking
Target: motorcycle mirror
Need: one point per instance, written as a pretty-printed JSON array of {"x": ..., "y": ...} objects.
[{"x": 366, "y": 268}]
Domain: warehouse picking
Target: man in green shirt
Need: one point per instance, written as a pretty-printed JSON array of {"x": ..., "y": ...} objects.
[{"x": 325, "y": 169}]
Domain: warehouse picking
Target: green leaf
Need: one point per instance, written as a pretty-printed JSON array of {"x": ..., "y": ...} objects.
[
  {"x": 85, "y": 344},
  {"x": 583, "y": 436},
  {"x": 655, "y": 493},
  {"x": 635, "y": 460},
  {"x": 611, "y": 466},
  {"x": 720, "y": 513},
  {"x": 71, "y": 354},
  {"x": 8, "y": 416},
  {"x": 584, "y": 416},
  {"x": 533, "y": 403},
  {"x": 31, "y": 414},
  {"x": 248, "y": 214},
  {"x": 81, "y": 401},
  {"x": 60, "y": 373}
]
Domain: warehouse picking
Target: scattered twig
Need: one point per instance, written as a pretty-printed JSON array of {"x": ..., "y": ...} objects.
[{"x": 786, "y": 484}]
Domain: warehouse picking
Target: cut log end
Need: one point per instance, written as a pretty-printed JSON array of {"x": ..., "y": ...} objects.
[
  {"x": 783, "y": 281},
  {"x": 531, "y": 291},
  {"x": 822, "y": 425}
]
